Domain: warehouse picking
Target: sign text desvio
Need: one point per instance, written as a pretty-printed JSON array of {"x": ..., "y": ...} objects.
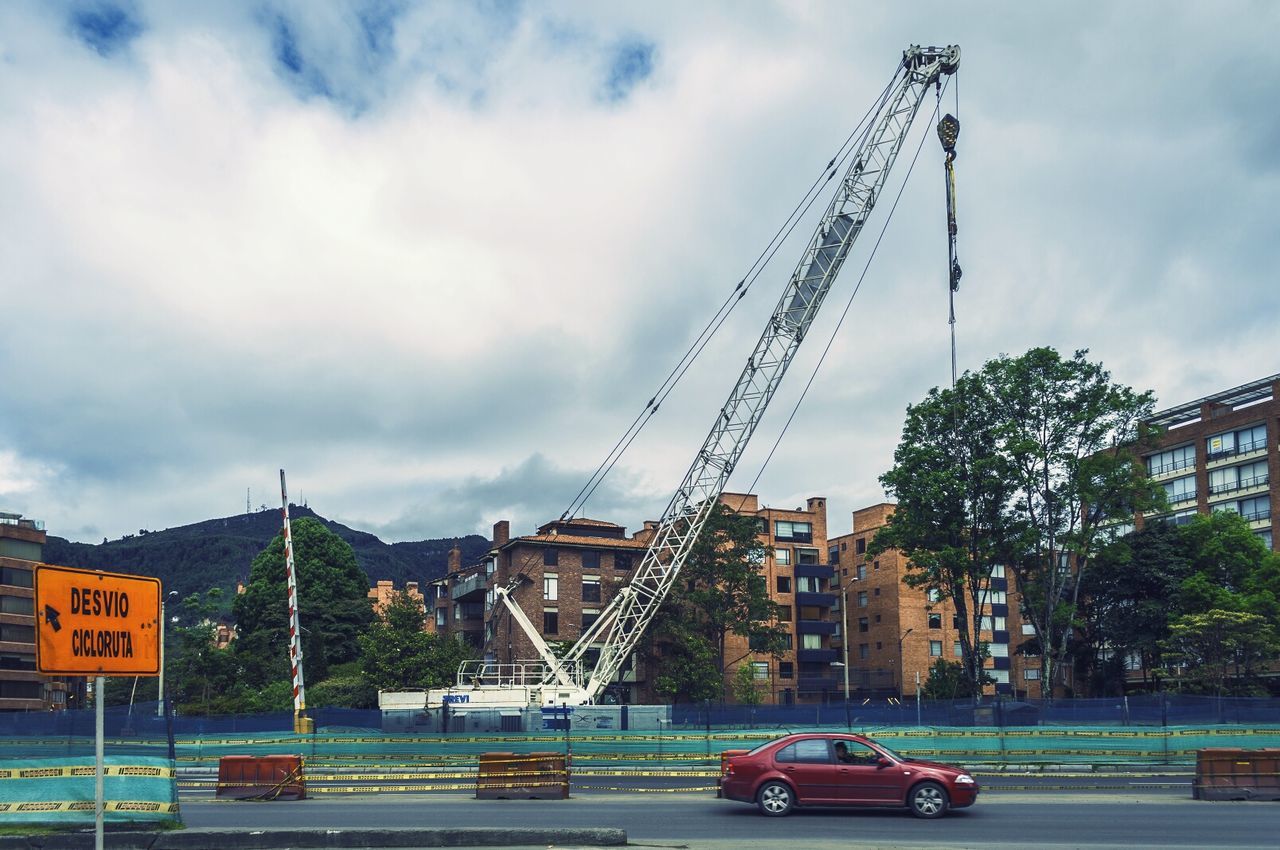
[{"x": 91, "y": 623}]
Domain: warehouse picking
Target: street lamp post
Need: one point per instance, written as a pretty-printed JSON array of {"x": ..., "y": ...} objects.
[
  {"x": 844, "y": 645},
  {"x": 902, "y": 678}
]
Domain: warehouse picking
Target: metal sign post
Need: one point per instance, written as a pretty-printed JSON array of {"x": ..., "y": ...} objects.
[{"x": 91, "y": 623}]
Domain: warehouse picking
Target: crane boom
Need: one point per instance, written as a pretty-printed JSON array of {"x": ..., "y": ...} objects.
[{"x": 624, "y": 620}]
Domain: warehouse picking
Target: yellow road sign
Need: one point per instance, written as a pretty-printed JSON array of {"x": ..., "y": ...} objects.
[{"x": 90, "y": 623}]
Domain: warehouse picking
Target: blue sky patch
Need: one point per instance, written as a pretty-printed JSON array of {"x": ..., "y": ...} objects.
[
  {"x": 289, "y": 60},
  {"x": 630, "y": 63},
  {"x": 105, "y": 27}
]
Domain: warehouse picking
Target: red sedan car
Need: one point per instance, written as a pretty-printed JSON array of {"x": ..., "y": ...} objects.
[{"x": 842, "y": 770}]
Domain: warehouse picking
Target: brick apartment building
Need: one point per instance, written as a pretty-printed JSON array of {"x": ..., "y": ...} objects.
[
  {"x": 380, "y": 595},
  {"x": 572, "y": 569},
  {"x": 1221, "y": 453},
  {"x": 897, "y": 631},
  {"x": 21, "y": 687},
  {"x": 799, "y": 579}
]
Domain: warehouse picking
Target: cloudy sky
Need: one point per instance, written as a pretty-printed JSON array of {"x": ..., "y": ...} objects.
[{"x": 433, "y": 258}]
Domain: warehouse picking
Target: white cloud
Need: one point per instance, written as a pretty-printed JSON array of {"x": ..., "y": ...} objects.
[{"x": 439, "y": 292}]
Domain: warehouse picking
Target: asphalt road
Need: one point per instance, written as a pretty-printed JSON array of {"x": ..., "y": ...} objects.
[{"x": 1003, "y": 820}]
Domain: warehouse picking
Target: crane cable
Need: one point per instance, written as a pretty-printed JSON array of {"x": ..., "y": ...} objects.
[
  {"x": 843, "y": 315},
  {"x": 695, "y": 350}
]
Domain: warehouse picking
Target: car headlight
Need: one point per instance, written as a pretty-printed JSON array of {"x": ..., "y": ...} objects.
[{"x": 964, "y": 779}]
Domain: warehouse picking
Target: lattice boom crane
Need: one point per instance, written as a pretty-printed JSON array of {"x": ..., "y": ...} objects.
[{"x": 623, "y": 622}]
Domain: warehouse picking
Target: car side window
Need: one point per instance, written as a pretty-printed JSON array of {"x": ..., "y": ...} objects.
[
  {"x": 812, "y": 751},
  {"x": 854, "y": 752}
]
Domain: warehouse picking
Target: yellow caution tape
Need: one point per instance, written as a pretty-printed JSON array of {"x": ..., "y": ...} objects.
[{"x": 87, "y": 805}]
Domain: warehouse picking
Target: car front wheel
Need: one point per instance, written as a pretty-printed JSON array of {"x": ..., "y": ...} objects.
[
  {"x": 928, "y": 800},
  {"x": 776, "y": 799}
]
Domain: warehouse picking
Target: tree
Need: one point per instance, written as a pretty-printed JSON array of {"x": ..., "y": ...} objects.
[
  {"x": 1069, "y": 435},
  {"x": 1220, "y": 645},
  {"x": 721, "y": 592},
  {"x": 953, "y": 519},
  {"x": 397, "y": 653},
  {"x": 333, "y": 603},
  {"x": 1128, "y": 598},
  {"x": 949, "y": 680},
  {"x": 747, "y": 689}
]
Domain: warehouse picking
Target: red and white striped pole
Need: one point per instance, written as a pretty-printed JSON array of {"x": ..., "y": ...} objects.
[{"x": 295, "y": 629}]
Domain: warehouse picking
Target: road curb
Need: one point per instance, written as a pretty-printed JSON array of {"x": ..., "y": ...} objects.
[{"x": 320, "y": 839}]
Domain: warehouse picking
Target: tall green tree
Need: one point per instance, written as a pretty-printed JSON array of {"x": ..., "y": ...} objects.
[
  {"x": 1222, "y": 647},
  {"x": 397, "y": 653},
  {"x": 1128, "y": 598},
  {"x": 1069, "y": 435},
  {"x": 954, "y": 520},
  {"x": 333, "y": 604},
  {"x": 721, "y": 592}
]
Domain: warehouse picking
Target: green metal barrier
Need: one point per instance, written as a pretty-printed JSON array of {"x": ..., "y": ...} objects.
[{"x": 60, "y": 791}]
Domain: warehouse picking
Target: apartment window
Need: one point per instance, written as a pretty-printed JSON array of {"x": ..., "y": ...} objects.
[
  {"x": 957, "y": 650},
  {"x": 550, "y": 557},
  {"x": 442, "y": 617},
  {"x": 863, "y": 625},
  {"x": 1001, "y": 676},
  {"x": 786, "y": 670},
  {"x": 1236, "y": 442},
  {"x": 997, "y": 597},
  {"x": 935, "y": 621},
  {"x": 784, "y": 613},
  {"x": 17, "y": 634},
  {"x": 550, "y": 587},
  {"x": 955, "y": 622},
  {"x": 759, "y": 670},
  {"x": 1259, "y": 507},
  {"x": 21, "y": 690},
  {"x": 993, "y": 624},
  {"x": 1180, "y": 489},
  {"x": 490, "y": 566},
  {"x": 876, "y": 592},
  {"x": 591, "y": 560},
  {"x": 17, "y": 605},
  {"x": 833, "y": 554},
  {"x": 875, "y": 565},
  {"x": 442, "y": 591},
  {"x": 864, "y": 651},
  {"x": 590, "y": 590},
  {"x": 860, "y": 546},
  {"x": 800, "y": 532},
  {"x": 877, "y": 618},
  {"x": 879, "y": 645},
  {"x": 862, "y": 572},
  {"x": 17, "y": 661},
  {"x": 622, "y": 560},
  {"x": 935, "y": 648},
  {"x": 786, "y": 641},
  {"x": 862, "y": 599},
  {"x": 806, "y": 556},
  {"x": 1028, "y": 629},
  {"x": 784, "y": 584},
  {"x": 782, "y": 557},
  {"x": 15, "y": 577},
  {"x": 998, "y": 650},
  {"x": 809, "y": 584},
  {"x": 1172, "y": 460},
  {"x": 1265, "y": 534},
  {"x": 550, "y": 621},
  {"x": 933, "y": 595},
  {"x": 1030, "y": 674},
  {"x": 811, "y": 641},
  {"x": 589, "y": 617}
]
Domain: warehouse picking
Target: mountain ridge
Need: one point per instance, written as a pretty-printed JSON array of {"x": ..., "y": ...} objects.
[{"x": 217, "y": 552}]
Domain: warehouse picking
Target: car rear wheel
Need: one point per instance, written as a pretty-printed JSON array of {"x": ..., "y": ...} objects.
[
  {"x": 928, "y": 800},
  {"x": 776, "y": 799}
]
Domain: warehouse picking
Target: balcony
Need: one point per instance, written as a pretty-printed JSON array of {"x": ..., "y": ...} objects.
[
  {"x": 821, "y": 656},
  {"x": 1242, "y": 484},
  {"x": 814, "y": 571},
  {"x": 820, "y": 683},
  {"x": 816, "y": 627},
  {"x": 819, "y": 600},
  {"x": 1240, "y": 449},
  {"x": 467, "y": 589},
  {"x": 1179, "y": 498}
]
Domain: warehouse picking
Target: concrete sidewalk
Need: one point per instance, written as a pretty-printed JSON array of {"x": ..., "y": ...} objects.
[{"x": 319, "y": 839}]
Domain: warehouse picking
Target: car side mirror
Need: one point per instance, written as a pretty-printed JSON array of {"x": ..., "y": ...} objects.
[{"x": 884, "y": 761}]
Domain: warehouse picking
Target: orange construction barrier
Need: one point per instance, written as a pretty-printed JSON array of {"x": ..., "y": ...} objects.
[
  {"x": 261, "y": 778},
  {"x": 531, "y": 776},
  {"x": 1227, "y": 773}
]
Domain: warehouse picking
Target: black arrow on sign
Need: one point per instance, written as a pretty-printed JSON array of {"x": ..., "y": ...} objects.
[{"x": 51, "y": 617}]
